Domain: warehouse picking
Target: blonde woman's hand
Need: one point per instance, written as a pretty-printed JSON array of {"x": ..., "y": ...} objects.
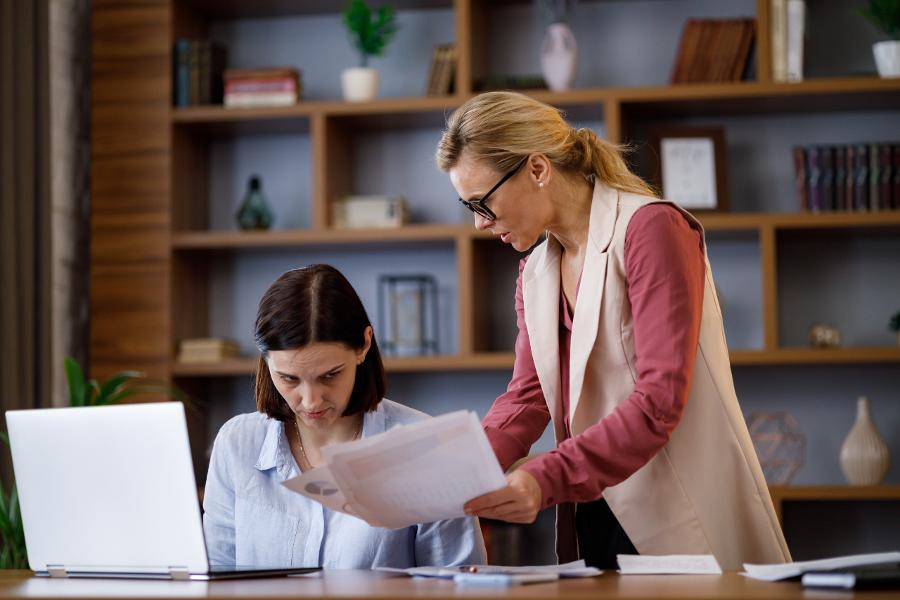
[{"x": 518, "y": 502}]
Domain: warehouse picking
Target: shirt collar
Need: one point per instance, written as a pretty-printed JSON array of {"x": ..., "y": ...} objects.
[
  {"x": 275, "y": 450},
  {"x": 272, "y": 454}
]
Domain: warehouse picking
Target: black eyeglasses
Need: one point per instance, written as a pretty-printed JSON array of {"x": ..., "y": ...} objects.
[{"x": 479, "y": 207}]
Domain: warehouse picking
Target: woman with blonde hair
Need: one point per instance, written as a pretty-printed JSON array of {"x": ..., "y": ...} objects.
[{"x": 621, "y": 345}]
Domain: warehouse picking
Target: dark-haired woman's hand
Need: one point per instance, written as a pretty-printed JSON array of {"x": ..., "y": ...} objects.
[{"x": 518, "y": 502}]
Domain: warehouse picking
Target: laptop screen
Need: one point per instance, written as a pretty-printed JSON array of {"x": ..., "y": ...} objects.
[{"x": 107, "y": 488}]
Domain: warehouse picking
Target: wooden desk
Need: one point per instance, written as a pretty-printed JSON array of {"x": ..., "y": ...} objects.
[{"x": 368, "y": 585}]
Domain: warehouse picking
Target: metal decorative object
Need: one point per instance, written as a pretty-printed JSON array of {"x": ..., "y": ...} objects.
[
  {"x": 824, "y": 336},
  {"x": 407, "y": 313},
  {"x": 780, "y": 445}
]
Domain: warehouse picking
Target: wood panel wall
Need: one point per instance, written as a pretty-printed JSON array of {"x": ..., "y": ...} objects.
[{"x": 130, "y": 222}]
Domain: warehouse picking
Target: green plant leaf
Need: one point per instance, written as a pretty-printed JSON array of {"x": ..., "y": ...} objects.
[
  {"x": 114, "y": 383},
  {"x": 93, "y": 392},
  {"x": 75, "y": 376},
  {"x": 885, "y": 15},
  {"x": 4, "y": 437}
]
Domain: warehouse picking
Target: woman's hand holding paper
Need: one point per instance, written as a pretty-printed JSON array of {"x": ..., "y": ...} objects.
[{"x": 518, "y": 502}]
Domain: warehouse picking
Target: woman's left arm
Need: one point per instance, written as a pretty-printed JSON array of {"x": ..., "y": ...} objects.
[
  {"x": 450, "y": 542},
  {"x": 665, "y": 271}
]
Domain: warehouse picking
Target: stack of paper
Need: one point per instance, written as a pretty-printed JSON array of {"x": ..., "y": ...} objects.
[
  {"x": 795, "y": 569},
  {"x": 568, "y": 570},
  {"x": 415, "y": 473},
  {"x": 673, "y": 564}
]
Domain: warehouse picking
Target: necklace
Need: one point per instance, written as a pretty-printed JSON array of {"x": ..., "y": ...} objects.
[{"x": 300, "y": 440}]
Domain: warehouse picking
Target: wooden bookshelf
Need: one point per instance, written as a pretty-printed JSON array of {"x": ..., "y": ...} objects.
[
  {"x": 152, "y": 246},
  {"x": 416, "y": 364},
  {"x": 831, "y": 493},
  {"x": 426, "y": 233}
]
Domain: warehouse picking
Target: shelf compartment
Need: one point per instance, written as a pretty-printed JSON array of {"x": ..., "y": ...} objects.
[
  {"x": 247, "y": 366},
  {"x": 223, "y": 240},
  {"x": 489, "y": 361},
  {"x": 236, "y": 9},
  {"x": 819, "y": 95},
  {"x": 812, "y": 356}
]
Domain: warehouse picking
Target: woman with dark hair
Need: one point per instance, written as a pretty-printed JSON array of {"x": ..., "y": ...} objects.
[{"x": 319, "y": 380}]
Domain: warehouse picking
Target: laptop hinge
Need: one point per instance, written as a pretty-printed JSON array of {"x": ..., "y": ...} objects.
[
  {"x": 57, "y": 571},
  {"x": 180, "y": 573}
]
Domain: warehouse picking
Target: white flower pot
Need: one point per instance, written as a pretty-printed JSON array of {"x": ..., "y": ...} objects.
[
  {"x": 359, "y": 84},
  {"x": 887, "y": 58},
  {"x": 559, "y": 57}
]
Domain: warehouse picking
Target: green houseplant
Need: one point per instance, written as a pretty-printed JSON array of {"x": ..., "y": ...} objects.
[
  {"x": 370, "y": 32},
  {"x": 894, "y": 325},
  {"x": 82, "y": 392},
  {"x": 885, "y": 15}
]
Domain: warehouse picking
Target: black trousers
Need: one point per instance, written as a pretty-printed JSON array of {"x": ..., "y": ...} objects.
[{"x": 600, "y": 536}]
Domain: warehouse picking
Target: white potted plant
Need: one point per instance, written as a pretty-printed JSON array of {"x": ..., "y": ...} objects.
[
  {"x": 559, "y": 51},
  {"x": 370, "y": 33},
  {"x": 885, "y": 15}
]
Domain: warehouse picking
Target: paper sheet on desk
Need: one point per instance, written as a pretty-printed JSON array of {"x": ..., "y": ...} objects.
[
  {"x": 778, "y": 572},
  {"x": 415, "y": 473},
  {"x": 572, "y": 569},
  {"x": 673, "y": 564}
]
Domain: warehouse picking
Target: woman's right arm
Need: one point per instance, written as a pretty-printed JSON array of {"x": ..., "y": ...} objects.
[
  {"x": 218, "y": 506},
  {"x": 520, "y": 415}
]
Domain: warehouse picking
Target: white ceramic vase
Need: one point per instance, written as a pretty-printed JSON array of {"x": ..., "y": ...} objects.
[
  {"x": 887, "y": 58},
  {"x": 864, "y": 455},
  {"x": 559, "y": 57},
  {"x": 359, "y": 84}
]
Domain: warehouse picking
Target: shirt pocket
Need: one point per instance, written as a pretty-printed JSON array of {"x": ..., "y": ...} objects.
[{"x": 263, "y": 534}]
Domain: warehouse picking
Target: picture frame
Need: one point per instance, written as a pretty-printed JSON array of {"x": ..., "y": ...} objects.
[{"x": 690, "y": 167}]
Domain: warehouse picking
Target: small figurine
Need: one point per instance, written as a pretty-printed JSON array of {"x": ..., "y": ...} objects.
[
  {"x": 824, "y": 336},
  {"x": 254, "y": 212}
]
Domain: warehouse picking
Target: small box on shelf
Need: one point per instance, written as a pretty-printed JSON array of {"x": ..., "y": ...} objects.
[
  {"x": 354, "y": 212},
  {"x": 207, "y": 350}
]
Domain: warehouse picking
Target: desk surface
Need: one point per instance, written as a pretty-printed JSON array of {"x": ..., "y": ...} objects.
[{"x": 368, "y": 585}]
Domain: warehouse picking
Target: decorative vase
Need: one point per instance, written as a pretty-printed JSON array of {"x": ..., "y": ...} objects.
[
  {"x": 359, "y": 84},
  {"x": 559, "y": 57},
  {"x": 254, "y": 212},
  {"x": 887, "y": 58},
  {"x": 864, "y": 455}
]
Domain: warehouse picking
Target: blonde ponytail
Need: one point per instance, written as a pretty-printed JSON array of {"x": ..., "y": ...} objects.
[{"x": 500, "y": 128}]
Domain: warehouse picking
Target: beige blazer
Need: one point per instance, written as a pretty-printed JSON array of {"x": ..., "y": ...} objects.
[{"x": 704, "y": 491}]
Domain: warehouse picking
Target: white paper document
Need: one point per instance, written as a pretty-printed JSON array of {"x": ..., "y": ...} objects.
[
  {"x": 568, "y": 570},
  {"x": 416, "y": 473},
  {"x": 672, "y": 564},
  {"x": 778, "y": 572}
]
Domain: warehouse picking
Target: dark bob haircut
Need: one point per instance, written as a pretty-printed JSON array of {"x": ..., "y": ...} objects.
[{"x": 308, "y": 305}]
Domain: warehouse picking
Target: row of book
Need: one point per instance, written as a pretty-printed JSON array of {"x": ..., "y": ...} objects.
[
  {"x": 853, "y": 177},
  {"x": 713, "y": 50},
  {"x": 788, "y": 25},
  {"x": 442, "y": 70},
  {"x": 198, "y": 69},
  {"x": 276, "y": 86}
]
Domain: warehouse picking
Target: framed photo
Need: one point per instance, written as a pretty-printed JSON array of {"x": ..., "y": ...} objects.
[{"x": 690, "y": 166}]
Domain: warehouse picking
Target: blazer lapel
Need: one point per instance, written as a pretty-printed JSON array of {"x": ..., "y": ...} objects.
[
  {"x": 604, "y": 209},
  {"x": 540, "y": 288}
]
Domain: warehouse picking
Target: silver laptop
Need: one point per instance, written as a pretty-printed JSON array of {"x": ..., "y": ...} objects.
[{"x": 109, "y": 492}]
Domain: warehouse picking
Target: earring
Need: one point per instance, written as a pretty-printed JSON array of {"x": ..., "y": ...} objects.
[{"x": 541, "y": 184}]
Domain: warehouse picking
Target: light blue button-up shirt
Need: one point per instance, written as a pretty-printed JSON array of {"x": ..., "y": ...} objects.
[{"x": 250, "y": 519}]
